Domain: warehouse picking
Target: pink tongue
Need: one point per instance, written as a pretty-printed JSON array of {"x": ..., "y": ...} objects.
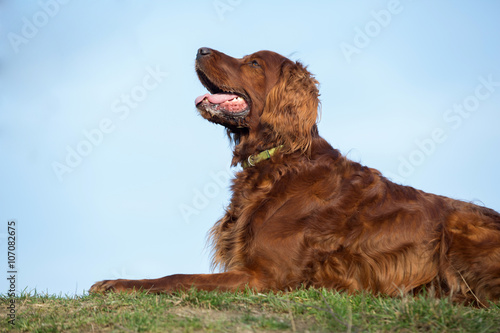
[{"x": 215, "y": 99}]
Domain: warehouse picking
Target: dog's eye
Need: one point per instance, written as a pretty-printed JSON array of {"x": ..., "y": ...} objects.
[{"x": 254, "y": 64}]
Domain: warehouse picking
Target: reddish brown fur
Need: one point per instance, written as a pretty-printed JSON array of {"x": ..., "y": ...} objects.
[{"x": 310, "y": 217}]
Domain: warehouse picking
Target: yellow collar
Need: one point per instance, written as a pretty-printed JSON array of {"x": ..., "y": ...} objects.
[{"x": 256, "y": 158}]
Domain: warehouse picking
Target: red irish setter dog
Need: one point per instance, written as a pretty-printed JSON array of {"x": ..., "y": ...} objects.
[{"x": 301, "y": 214}]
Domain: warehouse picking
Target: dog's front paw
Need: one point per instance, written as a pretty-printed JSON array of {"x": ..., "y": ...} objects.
[{"x": 109, "y": 285}]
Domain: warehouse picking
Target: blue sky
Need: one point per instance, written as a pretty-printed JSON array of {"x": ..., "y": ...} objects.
[{"x": 109, "y": 171}]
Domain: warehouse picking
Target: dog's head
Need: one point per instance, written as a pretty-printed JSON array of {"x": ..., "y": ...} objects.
[{"x": 262, "y": 92}]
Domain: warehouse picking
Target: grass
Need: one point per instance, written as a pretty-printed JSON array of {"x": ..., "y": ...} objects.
[{"x": 312, "y": 310}]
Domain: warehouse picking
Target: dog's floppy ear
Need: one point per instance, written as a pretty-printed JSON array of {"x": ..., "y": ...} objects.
[{"x": 291, "y": 108}]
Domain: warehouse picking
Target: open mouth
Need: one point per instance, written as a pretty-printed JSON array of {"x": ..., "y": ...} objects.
[{"x": 221, "y": 99}]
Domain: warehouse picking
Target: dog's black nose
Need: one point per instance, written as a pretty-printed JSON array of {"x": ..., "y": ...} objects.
[{"x": 203, "y": 51}]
